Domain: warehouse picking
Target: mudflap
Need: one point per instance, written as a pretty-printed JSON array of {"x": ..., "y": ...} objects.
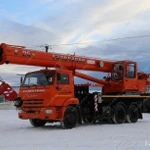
[
  {"x": 7, "y": 91},
  {"x": 140, "y": 114}
]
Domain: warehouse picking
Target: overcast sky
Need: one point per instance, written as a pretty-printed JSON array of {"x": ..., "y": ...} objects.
[{"x": 36, "y": 22}]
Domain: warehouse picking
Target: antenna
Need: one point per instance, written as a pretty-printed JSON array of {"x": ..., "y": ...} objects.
[{"x": 46, "y": 50}]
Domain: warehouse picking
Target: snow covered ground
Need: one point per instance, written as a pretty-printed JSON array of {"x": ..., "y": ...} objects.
[{"x": 16, "y": 134}]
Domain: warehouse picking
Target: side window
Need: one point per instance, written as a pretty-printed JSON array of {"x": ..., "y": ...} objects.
[
  {"x": 117, "y": 72},
  {"x": 63, "y": 79},
  {"x": 130, "y": 71}
]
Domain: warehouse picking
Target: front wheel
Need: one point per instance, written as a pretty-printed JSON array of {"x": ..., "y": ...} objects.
[
  {"x": 37, "y": 122},
  {"x": 70, "y": 117}
]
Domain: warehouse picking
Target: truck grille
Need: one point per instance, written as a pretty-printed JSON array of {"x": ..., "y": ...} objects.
[{"x": 34, "y": 103}]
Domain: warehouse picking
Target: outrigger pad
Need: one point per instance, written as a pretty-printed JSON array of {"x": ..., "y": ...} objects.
[{"x": 7, "y": 91}]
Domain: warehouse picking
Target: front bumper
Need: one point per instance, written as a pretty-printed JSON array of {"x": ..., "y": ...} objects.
[{"x": 51, "y": 113}]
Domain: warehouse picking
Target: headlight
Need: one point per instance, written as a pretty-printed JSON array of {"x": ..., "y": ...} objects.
[
  {"x": 20, "y": 111},
  {"x": 48, "y": 111}
]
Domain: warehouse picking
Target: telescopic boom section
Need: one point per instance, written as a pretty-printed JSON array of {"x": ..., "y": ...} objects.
[
  {"x": 13, "y": 54},
  {"x": 90, "y": 78}
]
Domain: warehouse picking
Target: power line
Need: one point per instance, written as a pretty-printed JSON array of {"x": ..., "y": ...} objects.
[
  {"x": 113, "y": 39},
  {"x": 86, "y": 42}
]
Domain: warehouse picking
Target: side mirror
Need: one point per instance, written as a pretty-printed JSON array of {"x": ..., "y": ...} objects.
[
  {"x": 58, "y": 76},
  {"x": 58, "y": 80},
  {"x": 21, "y": 80}
]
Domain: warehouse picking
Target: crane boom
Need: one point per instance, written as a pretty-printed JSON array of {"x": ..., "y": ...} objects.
[{"x": 13, "y": 54}]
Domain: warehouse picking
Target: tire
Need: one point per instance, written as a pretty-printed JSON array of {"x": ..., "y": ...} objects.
[
  {"x": 119, "y": 115},
  {"x": 71, "y": 117},
  {"x": 87, "y": 119},
  {"x": 37, "y": 122},
  {"x": 132, "y": 114},
  {"x": 148, "y": 105}
]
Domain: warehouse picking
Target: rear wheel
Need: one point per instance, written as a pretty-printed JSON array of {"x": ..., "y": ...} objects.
[
  {"x": 119, "y": 115},
  {"x": 87, "y": 119},
  {"x": 37, "y": 122},
  {"x": 70, "y": 117},
  {"x": 132, "y": 114}
]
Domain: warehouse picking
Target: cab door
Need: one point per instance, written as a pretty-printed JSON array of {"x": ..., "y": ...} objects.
[
  {"x": 130, "y": 80},
  {"x": 64, "y": 88}
]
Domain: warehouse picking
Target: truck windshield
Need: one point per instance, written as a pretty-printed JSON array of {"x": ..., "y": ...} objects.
[{"x": 39, "y": 78}]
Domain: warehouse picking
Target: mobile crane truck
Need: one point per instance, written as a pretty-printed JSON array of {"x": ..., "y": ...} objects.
[{"x": 50, "y": 94}]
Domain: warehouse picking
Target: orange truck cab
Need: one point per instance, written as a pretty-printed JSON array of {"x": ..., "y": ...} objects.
[{"x": 46, "y": 94}]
